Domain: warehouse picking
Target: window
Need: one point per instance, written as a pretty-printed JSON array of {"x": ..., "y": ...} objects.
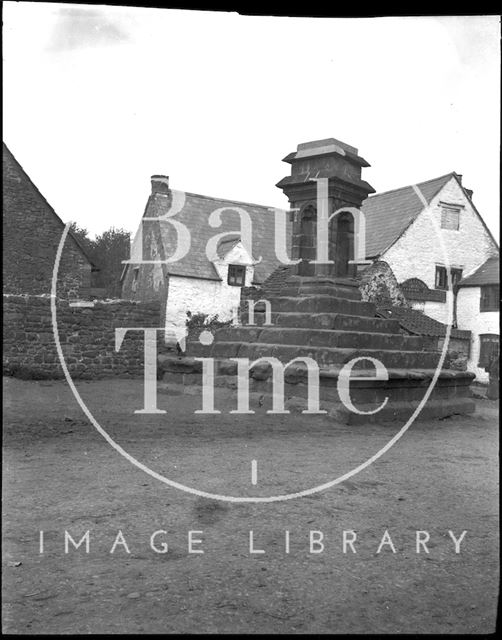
[
  {"x": 450, "y": 218},
  {"x": 236, "y": 275},
  {"x": 488, "y": 348},
  {"x": 442, "y": 280},
  {"x": 490, "y": 296}
]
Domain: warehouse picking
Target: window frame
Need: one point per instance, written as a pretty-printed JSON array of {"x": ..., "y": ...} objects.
[
  {"x": 489, "y": 302},
  {"x": 236, "y": 281},
  {"x": 456, "y": 276},
  {"x": 450, "y": 208}
]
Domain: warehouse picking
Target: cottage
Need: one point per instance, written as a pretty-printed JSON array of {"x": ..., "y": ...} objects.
[
  {"x": 419, "y": 232},
  {"x": 32, "y": 231},
  {"x": 478, "y": 302},
  {"x": 196, "y": 284}
]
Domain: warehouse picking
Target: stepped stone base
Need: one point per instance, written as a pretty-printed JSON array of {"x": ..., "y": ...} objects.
[{"x": 324, "y": 319}]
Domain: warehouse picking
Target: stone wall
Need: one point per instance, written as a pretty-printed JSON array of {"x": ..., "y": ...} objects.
[
  {"x": 86, "y": 334},
  {"x": 31, "y": 235}
]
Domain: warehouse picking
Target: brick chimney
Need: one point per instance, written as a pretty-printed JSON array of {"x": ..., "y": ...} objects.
[{"x": 160, "y": 184}]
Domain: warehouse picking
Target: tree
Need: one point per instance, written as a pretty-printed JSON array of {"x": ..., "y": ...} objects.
[
  {"x": 82, "y": 236},
  {"x": 106, "y": 251},
  {"x": 110, "y": 248}
]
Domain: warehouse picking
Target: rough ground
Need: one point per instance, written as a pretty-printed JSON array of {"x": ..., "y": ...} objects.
[{"x": 60, "y": 474}]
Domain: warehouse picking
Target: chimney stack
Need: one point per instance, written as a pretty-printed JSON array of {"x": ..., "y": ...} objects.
[
  {"x": 469, "y": 192},
  {"x": 160, "y": 184}
]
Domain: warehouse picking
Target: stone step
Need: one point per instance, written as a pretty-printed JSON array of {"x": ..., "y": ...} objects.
[
  {"x": 322, "y": 303},
  {"x": 335, "y": 321},
  {"x": 393, "y": 412},
  {"x": 362, "y": 392},
  {"x": 403, "y": 390},
  {"x": 297, "y": 373},
  {"x": 323, "y": 288},
  {"x": 323, "y": 356},
  {"x": 402, "y": 411},
  {"x": 321, "y": 338}
]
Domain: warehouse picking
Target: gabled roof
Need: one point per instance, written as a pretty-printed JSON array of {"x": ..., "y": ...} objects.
[
  {"x": 195, "y": 214},
  {"x": 417, "y": 322},
  {"x": 390, "y": 213},
  {"x": 9, "y": 159},
  {"x": 226, "y": 245},
  {"x": 487, "y": 273}
]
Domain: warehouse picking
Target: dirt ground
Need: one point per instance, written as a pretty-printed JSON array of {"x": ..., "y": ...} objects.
[{"x": 61, "y": 475}]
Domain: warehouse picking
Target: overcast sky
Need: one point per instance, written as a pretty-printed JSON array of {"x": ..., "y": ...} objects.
[{"x": 97, "y": 99}]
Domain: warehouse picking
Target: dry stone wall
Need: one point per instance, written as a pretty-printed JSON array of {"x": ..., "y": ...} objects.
[{"x": 86, "y": 334}]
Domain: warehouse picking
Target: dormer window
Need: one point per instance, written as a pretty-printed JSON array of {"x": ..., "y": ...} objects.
[
  {"x": 236, "y": 275},
  {"x": 450, "y": 217}
]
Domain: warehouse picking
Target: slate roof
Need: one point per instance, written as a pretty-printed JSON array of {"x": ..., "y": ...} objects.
[
  {"x": 487, "y": 273},
  {"x": 388, "y": 214},
  {"x": 417, "y": 322},
  {"x": 195, "y": 213}
]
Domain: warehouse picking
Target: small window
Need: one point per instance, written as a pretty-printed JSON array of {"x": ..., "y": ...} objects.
[
  {"x": 135, "y": 275},
  {"x": 236, "y": 275},
  {"x": 488, "y": 349},
  {"x": 490, "y": 297},
  {"x": 442, "y": 279},
  {"x": 450, "y": 218}
]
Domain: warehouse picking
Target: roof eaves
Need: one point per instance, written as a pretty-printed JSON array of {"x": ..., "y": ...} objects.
[
  {"x": 217, "y": 278},
  {"x": 469, "y": 199},
  {"x": 410, "y": 186},
  {"x": 230, "y": 202}
]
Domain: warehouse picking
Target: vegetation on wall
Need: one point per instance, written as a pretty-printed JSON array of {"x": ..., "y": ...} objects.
[
  {"x": 199, "y": 322},
  {"x": 378, "y": 284}
]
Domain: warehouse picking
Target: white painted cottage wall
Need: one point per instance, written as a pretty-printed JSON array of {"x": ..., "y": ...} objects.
[
  {"x": 437, "y": 310},
  {"x": 419, "y": 250},
  {"x": 214, "y": 298},
  {"x": 471, "y": 318}
]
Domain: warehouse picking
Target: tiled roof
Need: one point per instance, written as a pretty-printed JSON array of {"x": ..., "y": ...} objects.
[
  {"x": 417, "y": 322},
  {"x": 416, "y": 289},
  {"x": 487, "y": 273},
  {"x": 388, "y": 214},
  {"x": 195, "y": 213}
]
